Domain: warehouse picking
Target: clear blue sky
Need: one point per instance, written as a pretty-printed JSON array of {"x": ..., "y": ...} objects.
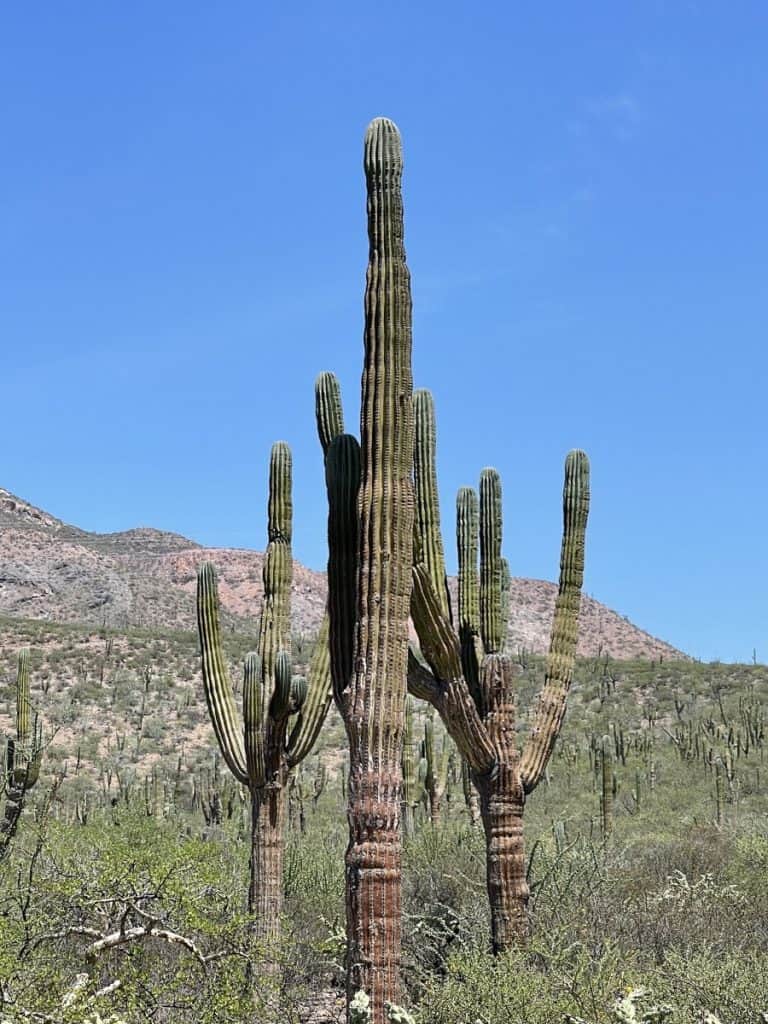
[{"x": 183, "y": 249}]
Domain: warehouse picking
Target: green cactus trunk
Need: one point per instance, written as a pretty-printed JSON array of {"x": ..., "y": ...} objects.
[
  {"x": 370, "y": 535},
  {"x": 375, "y": 720}
]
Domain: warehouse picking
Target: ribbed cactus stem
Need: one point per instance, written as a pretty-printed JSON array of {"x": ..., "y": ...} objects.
[
  {"x": 467, "y": 539},
  {"x": 216, "y": 683},
  {"x": 298, "y": 693},
  {"x": 255, "y": 721},
  {"x": 23, "y": 702},
  {"x": 372, "y": 696},
  {"x": 490, "y": 561},
  {"x": 329, "y": 413},
  {"x": 275, "y": 632},
  {"x": 281, "y": 696},
  {"x": 565, "y": 627},
  {"x": 342, "y": 478},
  {"x": 430, "y": 541},
  {"x": 467, "y": 543}
]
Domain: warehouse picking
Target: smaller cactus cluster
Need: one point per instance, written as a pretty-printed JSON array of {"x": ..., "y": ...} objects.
[
  {"x": 23, "y": 755},
  {"x": 282, "y": 712},
  {"x": 431, "y": 771}
]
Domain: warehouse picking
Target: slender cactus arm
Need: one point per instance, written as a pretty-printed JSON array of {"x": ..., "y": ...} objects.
[
  {"x": 565, "y": 626},
  {"x": 428, "y": 542},
  {"x": 216, "y": 682},
  {"x": 450, "y": 695},
  {"x": 342, "y": 475},
  {"x": 421, "y": 683},
  {"x": 254, "y": 717},
  {"x": 329, "y": 414},
  {"x": 315, "y": 705}
]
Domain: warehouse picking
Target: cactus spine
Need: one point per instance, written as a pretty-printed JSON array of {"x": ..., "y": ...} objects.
[
  {"x": 259, "y": 750},
  {"x": 470, "y": 680},
  {"x": 370, "y": 539}
]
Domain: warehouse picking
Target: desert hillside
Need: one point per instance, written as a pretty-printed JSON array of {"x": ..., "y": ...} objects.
[{"x": 145, "y": 578}]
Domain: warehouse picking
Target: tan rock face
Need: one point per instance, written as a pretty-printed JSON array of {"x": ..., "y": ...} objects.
[{"x": 147, "y": 578}]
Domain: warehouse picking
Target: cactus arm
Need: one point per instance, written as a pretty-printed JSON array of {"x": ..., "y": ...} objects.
[
  {"x": 314, "y": 707},
  {"x": 450, "y": 696},
  {"x": 23, "y": 701},
  {"x": 342, "y": 475},
  {"x": 280, "y": 706},
  {"x": 490, "y": 561},
  {"x": 565, "y": 626},
  {"x": 328, "y": 409},
  {"x": 467, "y": 542},
  {"x": 427, "y": 521},
  {"x": 421, "y": 683},
  {"x": 275, "y": 630},
  {"x": 254, "y": 715},
  {"x": 216, "y": 683}
]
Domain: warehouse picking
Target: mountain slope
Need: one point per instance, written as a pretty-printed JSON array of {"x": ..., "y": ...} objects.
[{"x": 146, "y": 578}]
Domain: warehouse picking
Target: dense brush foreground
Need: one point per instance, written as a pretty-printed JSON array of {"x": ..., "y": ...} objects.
[{"x": 123, "y": 893}]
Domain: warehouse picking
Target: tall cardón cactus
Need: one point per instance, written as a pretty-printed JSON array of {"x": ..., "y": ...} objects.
[
  {"x": 470, "y": 680},
  {"x": 23, "y": 755},
  {"x": 370, "y": 537},
  {"x": 282, "y": 714}
]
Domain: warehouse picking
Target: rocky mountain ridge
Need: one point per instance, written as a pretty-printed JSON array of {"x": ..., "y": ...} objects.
[{"x": 147, "y": 578}]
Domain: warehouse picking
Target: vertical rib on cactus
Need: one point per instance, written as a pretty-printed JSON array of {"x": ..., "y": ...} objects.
[
  {"x": 23, "y": 702},
  {"x": 218, "y": 688},
  {"x": 565, "y": 625},
  {"x": 370, "y": 674},
  {"x": 467, "y": 542},
  {"x": 501, "y": 806},
  {"x": 254, "y": 714},
  {"x": 425, "y": 493},
  {"x": 342, "y": 478},
  {"x": 275, "y": 630},
  {"x": 255, "y": 748},
  {"x": 490, "y": 560},
  {"x": 328, "y": 409}
]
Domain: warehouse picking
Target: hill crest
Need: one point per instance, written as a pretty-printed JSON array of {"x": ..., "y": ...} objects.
[{"x": 146, "y": 578}]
